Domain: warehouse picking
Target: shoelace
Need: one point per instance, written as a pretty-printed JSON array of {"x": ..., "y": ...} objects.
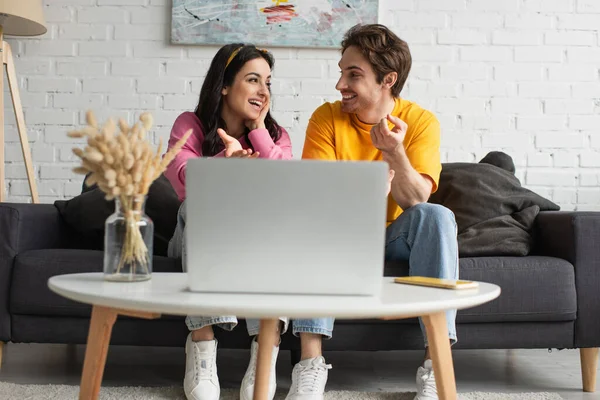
[
  {"x": 311, "y": 377},
  {"x": 205, "y": 370},
  {"x": 429, "y": 387}
]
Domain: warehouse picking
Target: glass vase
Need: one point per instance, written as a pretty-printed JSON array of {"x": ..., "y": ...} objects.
[{"x": 128, "y": 240}]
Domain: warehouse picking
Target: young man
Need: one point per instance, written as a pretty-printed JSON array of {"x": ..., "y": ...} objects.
[{"x": 373, "y": 123}]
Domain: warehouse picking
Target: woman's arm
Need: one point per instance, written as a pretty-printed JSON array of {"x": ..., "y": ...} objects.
[
  {"x": 263, "y": 143},
  {"x": 175, "y": 171}
]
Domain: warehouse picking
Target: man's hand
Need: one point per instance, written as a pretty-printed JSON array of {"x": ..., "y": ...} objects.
[
  {"x": 233, "y": 147},
  {"x": 259, "y": 123},
  {"x": 386, "y": 140}
]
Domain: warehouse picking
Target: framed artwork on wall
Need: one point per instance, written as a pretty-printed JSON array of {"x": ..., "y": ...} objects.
[{"x": 279, "y": 23}]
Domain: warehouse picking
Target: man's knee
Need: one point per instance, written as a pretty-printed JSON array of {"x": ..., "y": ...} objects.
[{"x": 435, "y": 213}]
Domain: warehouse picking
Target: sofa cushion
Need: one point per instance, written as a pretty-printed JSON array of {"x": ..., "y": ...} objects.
[
  {"x": 29, "y": 287},
  {"x": 534, "y": 288},
  {"x": 494, "y": 213},
  {"x": 85, "y": 214}
]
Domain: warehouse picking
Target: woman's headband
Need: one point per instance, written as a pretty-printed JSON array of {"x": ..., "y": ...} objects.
[
  {"x": 235, "y": 53},
  {"x": 232, "y": 56}
]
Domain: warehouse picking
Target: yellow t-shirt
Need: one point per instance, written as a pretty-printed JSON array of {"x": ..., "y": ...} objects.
[{"x": 335, "y": 135}]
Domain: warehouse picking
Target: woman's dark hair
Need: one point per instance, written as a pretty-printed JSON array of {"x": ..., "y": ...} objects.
[{"x": 221, "y": 74}]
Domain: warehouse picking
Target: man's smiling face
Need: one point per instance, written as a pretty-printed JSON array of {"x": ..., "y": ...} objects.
[{"x": 358, "y": 83}]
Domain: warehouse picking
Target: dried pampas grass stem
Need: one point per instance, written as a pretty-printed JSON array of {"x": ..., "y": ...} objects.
[{"x": 123, "y": 165}]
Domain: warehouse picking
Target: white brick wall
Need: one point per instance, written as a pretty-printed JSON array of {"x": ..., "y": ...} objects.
[{"x": 515, "y": 75}]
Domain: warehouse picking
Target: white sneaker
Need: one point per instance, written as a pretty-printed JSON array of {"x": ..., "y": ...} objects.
[
  {"x": 247, "y": 389},
  {"x": 308, "y": 380},
  {"x": 201, "y": 381},
  {"x": 426, "y": 389}
]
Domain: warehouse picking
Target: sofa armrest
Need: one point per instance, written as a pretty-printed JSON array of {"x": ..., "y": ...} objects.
[
  {"x": 30, "y": 227},
  {"x": 575, "y": 237},
  {"x": 23, "y": 227}
]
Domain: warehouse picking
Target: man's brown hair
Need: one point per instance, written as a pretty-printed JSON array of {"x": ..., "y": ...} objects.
[{"x": 385, "y": 51}]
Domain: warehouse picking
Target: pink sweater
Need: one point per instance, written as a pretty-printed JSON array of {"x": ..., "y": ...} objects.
[{"x": 261, "y": 141}]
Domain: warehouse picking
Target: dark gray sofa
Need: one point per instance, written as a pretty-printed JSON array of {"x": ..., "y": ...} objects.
[{"x": 550, "y": 299}]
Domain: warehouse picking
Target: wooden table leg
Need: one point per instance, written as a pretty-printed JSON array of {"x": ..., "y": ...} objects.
[
  {"x": 266, "y": 337},
  {"x": 441, "y": 356},
  {"x": 103, "y": 319},
  {"x": 589, "y": 366},
  {"x": 101, "y": 324}
]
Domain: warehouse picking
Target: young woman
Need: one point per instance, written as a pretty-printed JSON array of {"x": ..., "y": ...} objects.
[{"x": 232, "y": 119}]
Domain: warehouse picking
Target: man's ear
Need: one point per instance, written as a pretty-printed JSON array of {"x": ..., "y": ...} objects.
[
  {"x": 390, "y": 79},
  {"x": 224, "y": 91}
]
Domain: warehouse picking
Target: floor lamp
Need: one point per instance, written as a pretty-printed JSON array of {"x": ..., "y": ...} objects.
[{"x": 17, "y": 18}]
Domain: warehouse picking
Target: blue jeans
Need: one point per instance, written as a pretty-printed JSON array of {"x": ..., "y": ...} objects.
[
  {"x": 425, "y": 236},
  {"x": 177, "y": 249}
]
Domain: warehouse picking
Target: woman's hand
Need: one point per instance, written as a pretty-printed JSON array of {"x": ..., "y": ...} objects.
[
  {"x": 259, "y": 123},
  {"x": 233, "y": 147},
  {"x": 244, "y": 154}
]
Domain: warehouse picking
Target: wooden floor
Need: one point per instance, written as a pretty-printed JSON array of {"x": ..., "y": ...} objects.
[{"x": 476, "y": 370}]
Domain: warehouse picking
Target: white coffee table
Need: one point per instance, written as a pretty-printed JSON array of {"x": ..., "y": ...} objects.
[{"x": 167, "y": 293}]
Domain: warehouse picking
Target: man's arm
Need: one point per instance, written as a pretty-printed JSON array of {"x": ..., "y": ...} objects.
[{"x": 409, "y": 186}]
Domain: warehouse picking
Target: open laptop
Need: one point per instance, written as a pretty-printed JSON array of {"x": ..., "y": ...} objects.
[{"x": 295, "y": 227}]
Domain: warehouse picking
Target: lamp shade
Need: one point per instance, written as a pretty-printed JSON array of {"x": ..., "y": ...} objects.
[{"x": 22, "y": 17}]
